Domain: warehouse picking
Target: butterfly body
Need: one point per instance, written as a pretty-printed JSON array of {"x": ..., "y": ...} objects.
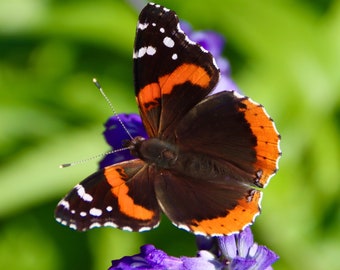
[
  {"x": 155, "y": 152},
  {"x": 207, "y": 155}
]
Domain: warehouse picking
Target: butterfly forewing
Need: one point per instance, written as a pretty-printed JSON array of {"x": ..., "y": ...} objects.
[
  {"x": 172, "y": 73},
  {"x": 117, "y": 196}
]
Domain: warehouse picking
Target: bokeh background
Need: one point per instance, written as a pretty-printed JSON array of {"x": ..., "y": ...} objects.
[{"x": 284, "y": 54}]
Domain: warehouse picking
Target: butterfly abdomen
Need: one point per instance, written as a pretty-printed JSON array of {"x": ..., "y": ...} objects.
[{"x": 165, "y": 155}]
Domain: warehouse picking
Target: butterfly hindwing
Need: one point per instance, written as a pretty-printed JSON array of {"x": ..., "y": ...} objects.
[
  {"x": 206, "y": 206},
  {"x": 236, "y": 133},
  {"x": 211, "y": 190}
]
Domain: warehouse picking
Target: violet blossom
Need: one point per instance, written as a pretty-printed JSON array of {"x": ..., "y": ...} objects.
[{"x": 234, "y": 252}]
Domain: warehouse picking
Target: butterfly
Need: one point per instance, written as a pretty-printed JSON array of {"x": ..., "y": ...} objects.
[{"x": 207, "y": 156}]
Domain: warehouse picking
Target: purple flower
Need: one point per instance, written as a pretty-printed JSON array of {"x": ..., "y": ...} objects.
[
  {"x": 234, "y": 252},
  {"x": 115, "y": 135},
  {"x": 241, "y": 253},
  {"x": 152, "y": 258},
  {"x": 214, "y": 43}
]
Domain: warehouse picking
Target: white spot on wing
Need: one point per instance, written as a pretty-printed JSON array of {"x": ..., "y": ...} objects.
[
  {"x": 65, "y": 204},
  {"x": 169, "y": 42},
  {"x": 174, "y": 56},
  {"x": 73, "y": 226},
  {"x": 95, "y": 212},
  {"x": 82, "y": 193},
  {"x": 150, "y": 50},
  {"x": 140, "y": 53},
  {"x": 126, "y": 228},
  {"x": 143, "y": 26},
  {"x": 109, "y": 208},
  {"x": 144, "y": 50},
  {"x": 110, "y": 224},
  {"x": 83, "y": 214},
  {"x": 95, "y": 225},
  {"x": 182, "y": 226},
  {"x": 143, "y": 229},
  {"x": 162, "y": 30}
]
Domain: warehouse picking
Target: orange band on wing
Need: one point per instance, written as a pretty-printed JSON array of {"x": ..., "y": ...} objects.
[
  {"x": 151, "y": 93},
  {"x": 267, "y": 148},
  {"x": 235, "y": 220},
  {"x": 184, "y": 73},
  {"x": 115, "y": 177}
]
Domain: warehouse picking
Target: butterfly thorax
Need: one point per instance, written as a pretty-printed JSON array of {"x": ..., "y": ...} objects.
[
  {"x": 165, "y": 155},
  {"x": 154, "y": 151}
]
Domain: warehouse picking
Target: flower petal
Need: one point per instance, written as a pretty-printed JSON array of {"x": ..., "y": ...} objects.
[
  {"x": 242, "y": 264},
  {"x": 158, "y": 259},
  {"x": 205, "y": 261},
  {"x": 264, "y": 258},
  {"x": 244, "y": 242},
  {"x": 209, "y": 40},
  {"x": 115, "y": 134},
  {"x": 205, "y": 243},
  {"x": 228, "y": 246},
  {"x": 214, "y": 43}
]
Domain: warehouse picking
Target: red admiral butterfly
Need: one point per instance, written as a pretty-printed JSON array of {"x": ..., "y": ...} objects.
[{"x": 207, "y": 156}]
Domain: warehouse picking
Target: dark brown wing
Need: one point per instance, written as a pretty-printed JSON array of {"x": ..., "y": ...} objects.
[
  {"x": 121, "y": 195},
  {"x": 172, "y": 73},
  {"x": 211, "y": 207},
  {"x": 234, "y": 131},
  {"x": 227, "y": 146}
]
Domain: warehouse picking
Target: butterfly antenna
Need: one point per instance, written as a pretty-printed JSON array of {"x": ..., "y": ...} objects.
[
  {"x": 111, "y": 106},
  {"x": 65, "y": 165}
]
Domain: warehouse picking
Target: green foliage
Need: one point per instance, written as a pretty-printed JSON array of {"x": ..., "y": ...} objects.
[{"x": 284, "y": 54}]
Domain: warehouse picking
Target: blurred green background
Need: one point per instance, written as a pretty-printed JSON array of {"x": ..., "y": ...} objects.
[{"x": 284, "y": 54}]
